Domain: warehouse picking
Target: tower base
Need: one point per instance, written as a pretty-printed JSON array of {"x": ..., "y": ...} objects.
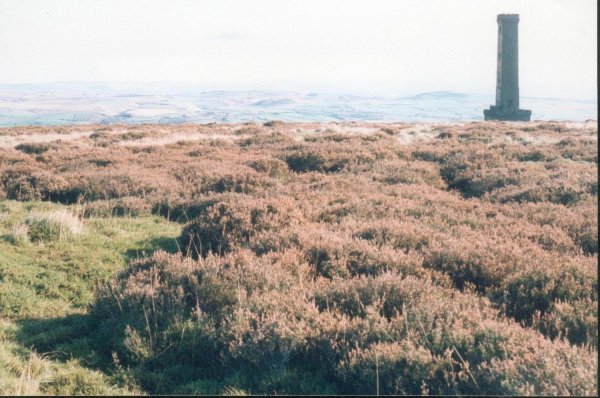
[{"x": 495, "y": 113}]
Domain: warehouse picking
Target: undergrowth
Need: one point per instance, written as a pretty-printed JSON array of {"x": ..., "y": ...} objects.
[{"x": 300, "y": 258}]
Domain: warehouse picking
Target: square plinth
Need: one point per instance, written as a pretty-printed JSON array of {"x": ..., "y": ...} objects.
[{"x": 494, "y": 113}]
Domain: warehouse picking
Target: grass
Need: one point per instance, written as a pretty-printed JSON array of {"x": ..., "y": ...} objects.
[
  {"x": 46, "y": 286},
  {"x": 56, "y": 225},
  {"x": 299, "y": 258}
]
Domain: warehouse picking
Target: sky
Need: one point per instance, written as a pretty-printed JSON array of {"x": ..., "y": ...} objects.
[{"x": 384, "y": 47}]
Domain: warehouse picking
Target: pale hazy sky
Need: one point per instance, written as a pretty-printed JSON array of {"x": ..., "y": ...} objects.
[{"x": 362, "y": 46}]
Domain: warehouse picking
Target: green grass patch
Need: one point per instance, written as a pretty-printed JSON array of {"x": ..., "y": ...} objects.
[{"x": 46, "y": 284}]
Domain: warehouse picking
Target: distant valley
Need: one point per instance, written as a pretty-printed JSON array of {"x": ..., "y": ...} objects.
[{"x": 137, "y": 103}]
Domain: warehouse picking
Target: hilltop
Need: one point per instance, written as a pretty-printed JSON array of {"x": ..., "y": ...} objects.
[{"x": 311, "y": 258}]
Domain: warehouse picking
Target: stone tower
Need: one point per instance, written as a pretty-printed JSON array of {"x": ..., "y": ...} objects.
[{"x": 507, "y": 75}]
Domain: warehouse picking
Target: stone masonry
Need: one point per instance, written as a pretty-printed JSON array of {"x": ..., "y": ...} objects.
[{"x": 507, "y": 76}]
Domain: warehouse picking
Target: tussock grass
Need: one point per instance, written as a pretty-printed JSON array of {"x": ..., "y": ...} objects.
[
  {"x": 57, "y": 225},
  {"x": 19, "y": 234}
]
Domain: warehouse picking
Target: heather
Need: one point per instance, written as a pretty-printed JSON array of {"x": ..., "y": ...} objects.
[{"x": 284, "y": 258}]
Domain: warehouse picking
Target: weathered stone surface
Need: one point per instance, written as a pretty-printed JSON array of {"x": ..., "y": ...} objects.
[{"x": 507, "y": 76}]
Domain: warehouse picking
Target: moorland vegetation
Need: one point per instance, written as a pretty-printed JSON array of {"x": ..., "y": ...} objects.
[{"x": 276, "y": 258}]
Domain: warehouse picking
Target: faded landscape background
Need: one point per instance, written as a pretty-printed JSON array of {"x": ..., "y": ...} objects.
[{"x": 169, "y": 103}]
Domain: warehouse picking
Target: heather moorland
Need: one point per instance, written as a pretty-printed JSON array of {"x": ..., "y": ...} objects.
[{"x": 307, "y": 258}]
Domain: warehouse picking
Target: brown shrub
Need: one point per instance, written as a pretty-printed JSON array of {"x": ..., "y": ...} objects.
[
  {"x": 235, "y": 223},
  {"x": 274, "y": 168},
  {"x": 25, "y": 182},
  {"x": 362, "y": 248},
  {"x": 240, "y": 313},
  {"x": 34, "y": 148}
]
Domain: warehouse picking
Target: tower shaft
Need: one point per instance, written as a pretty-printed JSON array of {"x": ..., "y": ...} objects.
[
  {"x": 507, "y": 73},
  {"x": 507, "y": 83}
]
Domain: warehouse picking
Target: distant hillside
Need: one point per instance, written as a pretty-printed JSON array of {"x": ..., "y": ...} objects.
[
  {"x": 274, "y": 102},
  {"x": 435, "y": 95},
  {"x": 137, "y": 103}
]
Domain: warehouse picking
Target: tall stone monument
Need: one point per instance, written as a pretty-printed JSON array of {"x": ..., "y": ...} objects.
[{"x": 507, "y": 75}]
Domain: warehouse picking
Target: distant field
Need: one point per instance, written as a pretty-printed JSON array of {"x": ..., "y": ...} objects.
[{"x": 309, "y": 258}]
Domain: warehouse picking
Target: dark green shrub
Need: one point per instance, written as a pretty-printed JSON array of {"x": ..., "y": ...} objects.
[
  {"x": 305, "y": 162},
  {"x": 161, "y": 325},
  {"x": 274, "y": 168},
  {"x": 183, "y": 210},
  {"x": 238, "y": 183},
  {"x": 103, "y": 187},
  {"x": 124, "y": 207},
  {"x": 587, "y": 238},
  {"x": 542, "y": 295},
  {"x": 28, "y": 183},
  {"x": 567, "y": 196},
  {"x": 398, "y": 369},
  {"x": 537, "y": 289},
  {"x": 35, "y": 148},
  {"x": 230, "y": 224},
  {"x": 102, "y": 162},
  {"x": 575, "y": 320},
  {"x": 273, "y": 123}
]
